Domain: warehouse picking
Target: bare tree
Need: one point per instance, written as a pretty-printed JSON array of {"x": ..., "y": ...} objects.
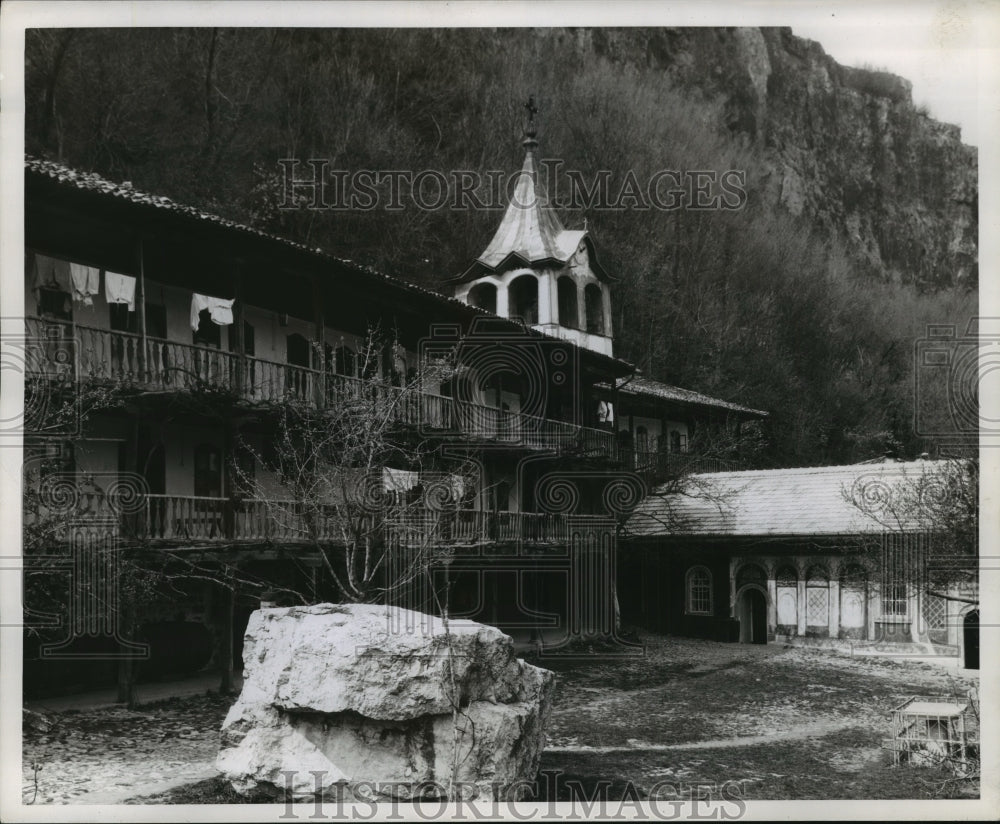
[
  {"x": 930, "y": 515},
  {"x": 358, "y": 483}
]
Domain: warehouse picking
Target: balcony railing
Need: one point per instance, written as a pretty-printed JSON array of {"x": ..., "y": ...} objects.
[
  {"x": 189, "y": 520},
  {"x": 62, "y": 350}
]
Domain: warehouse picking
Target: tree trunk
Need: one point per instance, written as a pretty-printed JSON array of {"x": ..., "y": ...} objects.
[
  {"x": 227, "y": 679},
  {"x": 127, "y": 669}
]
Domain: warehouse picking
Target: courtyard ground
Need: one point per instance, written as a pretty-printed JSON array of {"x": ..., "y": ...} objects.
[{"x": 777, "y": 722}]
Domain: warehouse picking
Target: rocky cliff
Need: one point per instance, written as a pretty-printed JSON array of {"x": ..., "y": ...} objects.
[{"x": 844, "y": 148}]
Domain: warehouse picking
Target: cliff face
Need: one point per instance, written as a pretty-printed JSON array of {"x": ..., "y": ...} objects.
[{"x": 844, "y": 148}]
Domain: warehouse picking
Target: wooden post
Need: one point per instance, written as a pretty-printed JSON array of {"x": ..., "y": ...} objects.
[
  {"x": 320, "y": 336},
  {"x": 140, "y": 307},
  {"x": 240, "y": 344},
  {"x": 227, "y": 681}
]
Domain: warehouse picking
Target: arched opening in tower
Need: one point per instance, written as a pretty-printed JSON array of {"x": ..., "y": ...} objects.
[
  {"x": 523, "y": 296},
  {"x": 568, "y": 315},
  {"x": 594, "y": 302}
]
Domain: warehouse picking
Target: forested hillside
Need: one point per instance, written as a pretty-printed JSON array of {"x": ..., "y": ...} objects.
[{"x": 859, "y": 226}]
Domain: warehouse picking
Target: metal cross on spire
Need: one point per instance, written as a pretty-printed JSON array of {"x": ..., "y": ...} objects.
[
  {"x": 532, "y": 109},
  {"x": 530, "y": 131}
]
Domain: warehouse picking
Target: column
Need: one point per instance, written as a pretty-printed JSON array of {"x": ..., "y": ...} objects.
[
  {"x": 581, "y": 306},
  {"x": 545, "y": 298},
  {"x": 732, "y": 587},
  {"x": 503, "y": 309},
  {"x": 140, "y": 307},
  {"x": 800, "y": 597},
  {"x": 241, "y": 386},
  {"x": 606, "y": 300},
  {"x": 319, "y": 335},
  {"x": 834, "y": 599},
  {"x": 772, "y": 601},
  {"x": 912, "y": 613}
]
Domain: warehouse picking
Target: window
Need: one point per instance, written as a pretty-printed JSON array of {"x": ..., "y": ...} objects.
[
  {"x": 54, "y": 304},
  {"x": 207, "y": 471},
  {"x": 894, "y": 598},
  {"x": 208, "y": 333},
  {"x": 896, "y": 566},
  {"x": 699, "y": 591},
  {"x": 298, "y": 350},
  {"x": 501, "y": 496},
  {"x": 345, "y": 362},
  {"x": 156, "y": 319},
  {"x": 249, "y": 345},
  {"x": 817, "y": 597}
]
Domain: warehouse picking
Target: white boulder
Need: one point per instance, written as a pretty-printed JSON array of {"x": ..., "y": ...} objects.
[{"x": 341, "y": 700}]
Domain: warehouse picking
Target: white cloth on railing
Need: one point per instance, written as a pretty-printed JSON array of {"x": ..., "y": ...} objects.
[
  {"x": 119, "y": 289},
  {"x": 86, "y": 282},
  {"x": 399, "y": 480},
  {"x": 605, "y": 412},
  {"x": 219, "y": 309}
]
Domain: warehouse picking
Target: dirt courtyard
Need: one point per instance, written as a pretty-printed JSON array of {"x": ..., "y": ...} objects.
[{"x": 778, "y": 722}]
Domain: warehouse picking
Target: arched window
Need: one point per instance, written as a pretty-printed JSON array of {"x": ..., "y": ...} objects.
[
  {"x": 523, "y": 297},
  {"x": 594, "y": 303},
  {"x": 568, "y": 314},
  {"x": 484, "y": 296},
  {"x": 699, "y": 591},
  {"x": 817, "y": 597}
]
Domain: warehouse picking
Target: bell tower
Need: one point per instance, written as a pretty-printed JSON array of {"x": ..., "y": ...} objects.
[{"x": 538, "y": 271}]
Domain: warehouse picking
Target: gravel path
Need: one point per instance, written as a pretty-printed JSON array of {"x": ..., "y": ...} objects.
[
  {"x": 104, "y": 756},
  {"x": 683, "y": 695}
]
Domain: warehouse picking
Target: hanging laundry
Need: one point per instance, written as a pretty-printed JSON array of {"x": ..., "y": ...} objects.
[
  {"x": 86, "y": 283},
  {"x": 51, "y": 273},
  {"x": 119, "y": 289},
  {"x": 219, "y": 309}
]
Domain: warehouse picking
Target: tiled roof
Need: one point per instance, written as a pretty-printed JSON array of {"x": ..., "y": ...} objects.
[
  {"x": 639, "y": 385},
  {"x": 92, "y": 182},
  {"x": 824, "y": 500},
  {"x": 530, "y": 231}
]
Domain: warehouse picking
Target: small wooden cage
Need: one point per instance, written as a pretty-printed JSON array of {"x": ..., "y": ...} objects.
[{"x": 935, "y": 731}]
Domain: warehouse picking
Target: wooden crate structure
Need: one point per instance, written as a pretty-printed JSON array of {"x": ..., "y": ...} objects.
[{"x": 935, "y": 731}]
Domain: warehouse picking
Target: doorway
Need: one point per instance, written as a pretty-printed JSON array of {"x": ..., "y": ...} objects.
[
  {"x": 751, "y": 610},
  {"x": 970, "y": 639}
]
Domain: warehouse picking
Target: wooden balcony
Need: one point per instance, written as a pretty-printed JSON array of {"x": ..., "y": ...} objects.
[
  {"x": 181, "y": 520},
  {"x": 68, "y": 352}
]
